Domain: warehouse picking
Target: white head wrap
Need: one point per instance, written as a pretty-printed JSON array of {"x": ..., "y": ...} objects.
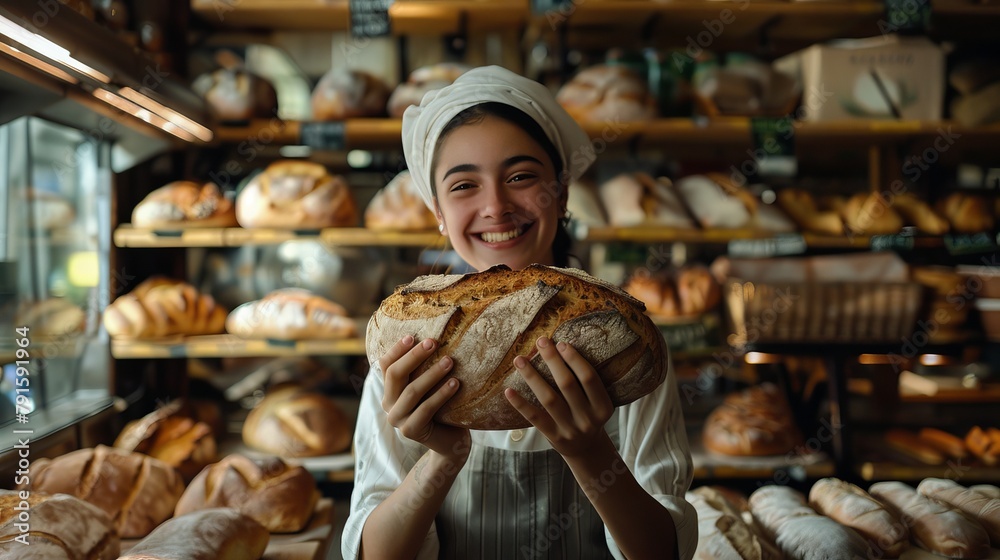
[{"x": 422, "y": 125}]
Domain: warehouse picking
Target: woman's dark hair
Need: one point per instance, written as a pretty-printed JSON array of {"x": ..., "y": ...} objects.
[{"x": 475, "y": 114}]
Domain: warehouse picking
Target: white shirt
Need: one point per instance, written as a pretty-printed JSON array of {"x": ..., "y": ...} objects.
[{"x": 515, "y": 497}]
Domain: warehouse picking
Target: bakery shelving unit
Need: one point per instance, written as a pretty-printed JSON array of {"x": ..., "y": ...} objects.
[
  {"x": 231, "y": 346},
  {"x": 127, "y": 236}
]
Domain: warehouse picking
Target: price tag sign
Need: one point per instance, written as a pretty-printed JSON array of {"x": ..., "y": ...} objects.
[
  {"x": 543, "y": 6},
  {"x": 370, "y": 18},
  {"x": 792, "y": 244},
  {"x": 959, "y": 244},
  {"x": 323, "y": 135},
  {"x": 907, "y": 16},
  {"x": 894, "y": 242},
  {"x": 774, "y": 145}
]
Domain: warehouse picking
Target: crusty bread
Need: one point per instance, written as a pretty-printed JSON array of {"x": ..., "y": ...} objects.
[
  {"x": 172, "y": 436},
  {"x": 697, "y": 290},
  {"x": 637, "y": 199},
  {"x": 398, "y": 207},
  {"x": 185, "y": 204},
  {"x": 988, "y": 490},
  {"x": 293, "y": 422},
  {"x": 161, "y": 307},
  {"x": 54, "y": 527},
  {"x": 909, "y": 444},
  {"x": 803, "y": 209},
  {"x": 871, "y": 214},
  {"x": 756, "y": 421},
  {"x": 421, "y": 81},
  {"x": 209, "y": 534},
  {"x": 657, "y": 293},
  {"x": 853, "y": 507},
  {"x": 279, "y": 496},
  {"x": 799, "y": 531},
  {"x": 296, "y": 194},
  {"x": 607, "y": 93},
  {"x": 723, "y": 534},
  {"x": 946, "y": 443},
  {"x": 346, "y": 94},
  {"x": 53, "y": 317},
  {"x": 484, "y": 320},
  {"x": 967, "y": 213},
  {"x": 291, "y": 314},
  {"x": 984, "y": 444},
  {"x": 917, "y": 213},
  {"x": 935, "y": 526},
  {"x": 979, "y": 506},
  {"x": 234, "y": 94},
  {"x": 136, "y": 491}
]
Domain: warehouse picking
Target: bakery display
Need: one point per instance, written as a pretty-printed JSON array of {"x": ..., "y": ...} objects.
[
  {"x": 799, "y": 531},
  {"x": 637, "y": 199},
  {"x": 172, "y": 436},
  {"x": 291, "y": 314},
  {"x": 421, "y": 81},
  {"x": 296, "y": 194},
  {"x": 60, "y": 527},
  {"x": 976, "y": 505},
  {"x": 346, "y": 94},
  {"x": 483, "y": 320},
  {"x": 689, "y": 291},
  {"x": 136, "y": 491},
  {"x": 723, "y": 534},
  {"x": 293, "y": 422},
  {"x": 52, "y": 317},
  {"x": 934, "y": 526},
  {"x": 236, "y": 94},
  {"x": 185, "y": 204},
  {"x": 755, "y": 421},
  {"x": 48, "y": 210},
  {"x": 852, "y": 507},
  {"x": 605, "y": 93},
  {"x": 160, "y": 307},
  {"x": 398, "y": 207},
  {"x": 210, "y": 534},
  {"x": 279, "y": 496}
]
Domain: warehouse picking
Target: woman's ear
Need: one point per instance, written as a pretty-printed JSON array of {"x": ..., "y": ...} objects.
[
  {"x": 563, "y": 199},
  {"x": 440, "y": 219}
]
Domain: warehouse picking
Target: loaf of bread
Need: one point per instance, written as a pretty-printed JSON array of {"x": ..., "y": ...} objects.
[
  {"x": 804, "y": 210},
  {"x": 398, "y": 207},
  {"x": 291, "y": 314},
  {"x": 421, "y": 81},
  {"x": 49, "y": 210},
  {"x": 40, "y": 526},
  {"x": 296, "y": 194},
  {"x": 945, "y": 443},
  {"x": 917, "y": 213},
  {"x": 172, "y": 436},
  {"x": 978, "y": 108},
  {"x": 234, "y": 94},
  {"x": 908, "y": 443},
  {"x": 978, "y": 506},
  {"x": 756, "y": 421},
  {"x": 697, "y": 290},
  {"x": 972, "y": 75},
  {"x": 52, "y": 317},
  {"x": 347, "y": 94},
  {"x": 136, "y": 491},
  {"x": 984, "y": 444},
  {"x": 657, "y": 293},
  {"x": 160, "y": 307},
  {"x": 934, "y": 526},
  {"x": 636, "y": 199},
  {"x": 722, "y": 532},
  {"x": 852, "y": 507},
  {"x": 185, "y": 204},
  {"x": 988, "y": 490},
  {"x": 967, "y": 213},
  {"x": 799, "y": 531},
  {"x": 209, "y": 534},
  {"x": 871, "y": 214},
  {"x": 483, "y": 320},
  {"x": 717, "y": 202},
  {"x": 606, "y": 93},
  {"x": 292, "y": 422},
  {"x": 279, "y": 496}
]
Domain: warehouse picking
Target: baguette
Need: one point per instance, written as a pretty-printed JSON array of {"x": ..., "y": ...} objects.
[
  {"x": 950, "y": 445},
  {"x": 726, "y": 529},
  {"x": 57, "y": 527},
  {"x": 852, "y": 507},
  {"x": 800, "y": 532},
  {"x": 209, "y": 534},
  {"x": 978, "y": 506},
  {"x": 483, "y": 320},
  {"x": 988, "y": 490},
  {"x": 911, "y": 445},
  {"x": 934, "y": 527},
  {"x": 802, "y": 208}
]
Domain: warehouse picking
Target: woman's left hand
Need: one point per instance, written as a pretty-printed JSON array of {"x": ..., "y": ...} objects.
[{"x": 573, "y": 417}]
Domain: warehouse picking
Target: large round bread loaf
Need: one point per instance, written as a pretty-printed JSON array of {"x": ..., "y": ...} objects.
[{"x": 483, "y": 320}]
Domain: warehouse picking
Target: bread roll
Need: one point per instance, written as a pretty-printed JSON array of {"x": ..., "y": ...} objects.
[
  {"x": 160, "y": 307},
  {"x": 52, "y": 317},
  {"x": 984, "y": 444},
  {"x": 967, "y": 213},
  {"x": 234, "y": 94},
  {"x": 799, "y": 531},
  {"x": 293, "y": 422},
  {"x": 291, "y": 314},
  {"x": 421, "y": 81},
  {"x": 852, "y": 507},
  {"x": 935, "y": 527},
  {"x": 347, "y": 94},
  {"x": 49, "y": 210},
  {"x": 636, "y": 199},
  {"x": 209, "y": 534},
  {"x": 398, "y": 207},
  {"x": 697, "y": 290},
  {"x": 715, "y": 204},
  {"x": 871, "y": 214},
  {"x": 910, "y": 444},
  {"x": 136, "y": 491},
  {"x": 54, "y": 527},
  {"x": 657, "y": 293},
  {"x": 584, "y": 204},
  {"x": 802, "y": 208},
  {"x": 278, "y": 496},
  {"x": 756, "y": 421},
  {"x": 917, "y": 213},
  {"x": 950, "y": 445},
  {"x": 723, "y": 533},
  {"x": 170, "y": 435},
  {"x": 483, "y": 320},
  {"x": 185, "y": 204},
  {"x": 978, "y": 506},
  {"x": 296, "y": 194},
  {"x": 605, "y": 93}
]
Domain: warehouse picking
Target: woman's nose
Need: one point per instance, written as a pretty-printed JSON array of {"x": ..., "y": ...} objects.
[{"x": 495, "y": 202}]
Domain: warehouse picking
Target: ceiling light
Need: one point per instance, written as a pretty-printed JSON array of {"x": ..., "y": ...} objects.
[{"x": 48, "y": 49}]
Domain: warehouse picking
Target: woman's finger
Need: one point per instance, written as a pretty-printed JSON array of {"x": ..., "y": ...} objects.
[
  {"x": 551, "y": 400},
  {"x": 598, "y": 399},
  {"x": 566, "y": 379},
  {"x": 405, "y": 359},
  {"x": 533, "y": 414},
  {"x": 418, "y": 389},
  {"x": 424, "y": 413}
]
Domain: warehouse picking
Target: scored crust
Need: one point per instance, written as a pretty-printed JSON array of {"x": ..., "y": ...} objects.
[{"x": 484, "y": 320}]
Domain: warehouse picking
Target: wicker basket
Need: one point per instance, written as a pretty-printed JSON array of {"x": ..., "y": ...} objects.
[{"x": 835, "y": 312}]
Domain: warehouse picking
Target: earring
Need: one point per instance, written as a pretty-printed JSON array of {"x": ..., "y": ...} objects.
[{"x": 441, "y": 229}]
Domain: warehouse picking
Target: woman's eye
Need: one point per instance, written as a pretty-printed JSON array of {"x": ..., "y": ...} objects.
[
  {"x": 462, "y": 186},
  {"x": 521, "y": 177}
]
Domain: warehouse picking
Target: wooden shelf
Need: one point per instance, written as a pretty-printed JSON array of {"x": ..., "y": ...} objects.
[
  {"x": 127, "y": 236},
  {"x": 884, "y": 470},
  {"x": 227, "y": 345},
  {"x": 796, "y": 466}
]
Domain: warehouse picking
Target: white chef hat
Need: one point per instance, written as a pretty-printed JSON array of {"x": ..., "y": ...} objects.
[{"x": 422, "y": 125}]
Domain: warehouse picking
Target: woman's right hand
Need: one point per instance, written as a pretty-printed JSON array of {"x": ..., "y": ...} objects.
[{"x": 411, "y": 405}]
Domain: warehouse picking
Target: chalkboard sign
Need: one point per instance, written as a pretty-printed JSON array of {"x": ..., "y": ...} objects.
[
  {"x": 906, "y": 16},
  {"x": 323, "y": 135},
  {"x": 543, "y": 6},
  {"x": 370, "y": 18},
  {"x": 894, "y": 242},
  {"x": 774, "y": 145},
  {"x": 964, "y": 244},
  {"x": 792, "y": 244}
]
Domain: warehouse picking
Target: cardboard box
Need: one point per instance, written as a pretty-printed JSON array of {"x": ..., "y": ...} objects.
[{"x": 886, "y": 77}]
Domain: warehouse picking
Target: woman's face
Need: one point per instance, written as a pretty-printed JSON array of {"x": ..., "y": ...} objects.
[{"x": 497, "y": 195}]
